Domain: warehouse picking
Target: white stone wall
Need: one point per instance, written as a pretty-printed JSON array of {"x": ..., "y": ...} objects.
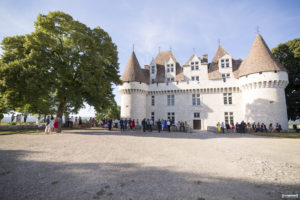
[
  {"x": 133, "y": 100},
  {"x": 211, "y": 108},
  {"x": 257, "y": 97},
  {"x": 264, "y": 98}
]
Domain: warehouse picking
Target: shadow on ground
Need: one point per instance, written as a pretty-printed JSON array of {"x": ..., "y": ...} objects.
[
  {"x": 165, "y": 134},
  {"x": 26, "y": 179}
]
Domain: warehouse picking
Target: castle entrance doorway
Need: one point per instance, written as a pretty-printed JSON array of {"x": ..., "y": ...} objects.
[{"x": 196, "y": 124}]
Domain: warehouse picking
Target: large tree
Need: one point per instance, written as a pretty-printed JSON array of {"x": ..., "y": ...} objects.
[
  {"x": 59, "y": 66},
  {"x": 288, "y": 55},
  {"x": 112, "y": 111}
]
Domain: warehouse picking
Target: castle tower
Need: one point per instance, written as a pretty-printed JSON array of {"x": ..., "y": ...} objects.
[
  {"x": 133, "y": 90},
  {"x": 263, "y": 80}
]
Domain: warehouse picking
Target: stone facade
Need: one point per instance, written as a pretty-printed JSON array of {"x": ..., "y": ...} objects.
[{"x": 203, "y": 93}]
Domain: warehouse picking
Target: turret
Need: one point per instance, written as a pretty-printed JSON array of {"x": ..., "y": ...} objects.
[
  {"x": 134, "y": 89},
  {"x": 263, "y": 80}
]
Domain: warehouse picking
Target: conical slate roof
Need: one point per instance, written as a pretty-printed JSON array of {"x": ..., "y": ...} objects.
[
  {"x": 260, "y": 59},
  {"x": 133, "y": 71}
]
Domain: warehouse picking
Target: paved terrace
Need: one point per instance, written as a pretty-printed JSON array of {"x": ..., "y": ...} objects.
[{"x": 97, "y": 164}]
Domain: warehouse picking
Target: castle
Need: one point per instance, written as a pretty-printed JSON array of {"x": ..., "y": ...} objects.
[{"x": 202, "y": 93}]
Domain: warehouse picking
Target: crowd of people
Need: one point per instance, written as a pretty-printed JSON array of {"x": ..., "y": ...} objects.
[
  {"x": 244, "y": 127},
  {"x": 54, "y": 124}
]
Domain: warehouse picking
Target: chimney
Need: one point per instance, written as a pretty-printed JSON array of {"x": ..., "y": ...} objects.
[{"x": 204, "y": 58}]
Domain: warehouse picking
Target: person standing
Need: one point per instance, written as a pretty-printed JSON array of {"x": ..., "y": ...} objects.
[
  {"x": 144, "y": 123},
  {"x": 109, "y": 124},
  {"x": 12, "y": 117},
  {"x": 150, "y": 124},
  {"x": 158, "y": 123},
  {"x": 59, "y": 123},
  {"x": 25, "y": 116},
  {"x": 223, "y": 127},
  {"x": 219, "y": 127},
  {"x": 52, "y": 124},
  {"x": 133, "y": 124},
  {"x": 125, "y": 124},
  {"x": 55, "y": 124},
  {"x": 38, "y": 122},
  {"x": 71, "y": 121},
  {"x": 121, "y": 124},
  {"x": 48, "y": 127},
  {"x": 169, "y": 125}
]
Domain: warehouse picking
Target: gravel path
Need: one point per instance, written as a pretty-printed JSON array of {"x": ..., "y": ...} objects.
[{"x": 97, "y": 164}]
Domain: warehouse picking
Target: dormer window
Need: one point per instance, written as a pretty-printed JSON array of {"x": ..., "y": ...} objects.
[
  {"x": 153, "y": 69},
  {"x": 194, "y": 66},
  {"x": 227, "y": 63},
  {"x": 170, "y": 67}
]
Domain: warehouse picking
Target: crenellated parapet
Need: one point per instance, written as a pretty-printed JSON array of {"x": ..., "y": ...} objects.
[{"x": 265, "y": 84}]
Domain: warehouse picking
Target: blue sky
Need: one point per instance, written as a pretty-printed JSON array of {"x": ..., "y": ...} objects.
[{"x": 182, "y": 25}]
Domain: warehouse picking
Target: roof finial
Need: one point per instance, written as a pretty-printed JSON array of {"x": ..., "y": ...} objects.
[
  {"x": 219, "y": 41},
  {"x": 132, "y": 47},
  {"x": 257, "y": 29},
  {"x": 194, "y": 50},
  {"x": 158, "y": 49}
]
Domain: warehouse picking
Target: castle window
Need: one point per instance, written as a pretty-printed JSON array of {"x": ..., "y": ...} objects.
[
  {"x": 153, "y": 69},
  {"x": 197, "y": 67},
  {"x": 227, "y": 63},
  {"x": 228, "y": 75},
  {"x": 192, "y": 66},
  {"x": 172, "y": 79},
  {"x": 152, "y": 81},
  {"x": 195, "y": 78},
  {"x": 196, "y": 99},
  {"x": 171, "y": 100},
  {"x": 222, "y": 65},
  {"x": 170, "y": 67},
  {"x": 222, "y": 60},
  {"x": 228, "y": 117},
  {"x": 152, "y": 100},
  {"x": 227, "y": 98},
  {"x": 152, "y": 116},
  {"x": 171, "y": 116},
  {"x": 197, "y": 115}
]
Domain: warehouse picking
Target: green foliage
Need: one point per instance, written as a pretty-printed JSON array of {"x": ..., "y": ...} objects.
[
  {"x": 288, "y": 55},
  {"x": 58, "y": 67},
  {"x": 112, "y": 111}
]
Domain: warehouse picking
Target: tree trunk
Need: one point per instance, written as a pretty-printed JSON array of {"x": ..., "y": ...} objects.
[{"x": 61, "y": 108}]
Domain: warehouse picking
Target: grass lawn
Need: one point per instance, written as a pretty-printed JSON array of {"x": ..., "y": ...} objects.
[
  {"x": 3, "y": 123},
  {"x": 281, "y": 134},
  {"x": 19, "y": 131}
]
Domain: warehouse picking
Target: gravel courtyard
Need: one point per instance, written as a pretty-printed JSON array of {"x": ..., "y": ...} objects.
[{"x": 97, "y": 164}]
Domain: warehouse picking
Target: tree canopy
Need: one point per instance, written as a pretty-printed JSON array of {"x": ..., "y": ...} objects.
[
  {"x": 288, "y": 55},
  {"x": 58, "y": 67},
  {"x": 112, "y": 111}
]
